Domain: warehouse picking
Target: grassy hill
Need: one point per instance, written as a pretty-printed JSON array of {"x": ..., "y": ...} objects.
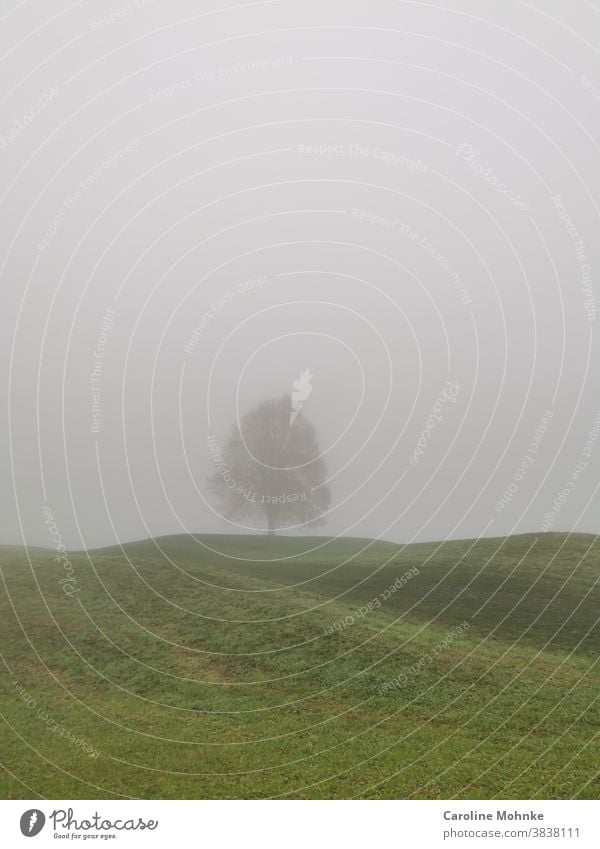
[{"x": 252, "y": 667}]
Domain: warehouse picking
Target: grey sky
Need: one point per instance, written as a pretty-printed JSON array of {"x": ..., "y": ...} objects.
[{"x": 199, "y": 201}]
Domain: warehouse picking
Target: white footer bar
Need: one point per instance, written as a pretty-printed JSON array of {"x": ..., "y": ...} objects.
[{"x": 298, "y": 824}]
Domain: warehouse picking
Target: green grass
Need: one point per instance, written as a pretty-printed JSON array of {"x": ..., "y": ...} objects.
[{"x": 197, "y": 675}]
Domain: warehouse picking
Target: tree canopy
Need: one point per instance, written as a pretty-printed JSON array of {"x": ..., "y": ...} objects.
[{"x": 270, "y": 470}]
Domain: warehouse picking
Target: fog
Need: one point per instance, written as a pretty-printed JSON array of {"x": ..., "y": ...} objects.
[{"x": 200, "y": 202}]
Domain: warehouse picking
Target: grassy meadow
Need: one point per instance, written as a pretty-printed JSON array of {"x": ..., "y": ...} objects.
[{"x": 289, "y": 668}]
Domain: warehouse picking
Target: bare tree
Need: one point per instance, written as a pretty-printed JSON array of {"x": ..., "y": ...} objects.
[{"x": 270, "y": 469}]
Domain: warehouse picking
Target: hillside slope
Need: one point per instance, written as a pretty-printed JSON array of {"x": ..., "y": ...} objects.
[
  {"x": 540, "y": 589},
  {"x": 210, "y": 676}
]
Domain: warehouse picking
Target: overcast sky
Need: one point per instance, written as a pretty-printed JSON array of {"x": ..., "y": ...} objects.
[{"x": 202, "y": 200}]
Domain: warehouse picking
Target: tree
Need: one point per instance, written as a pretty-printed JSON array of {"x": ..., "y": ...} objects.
[{"x": 270, "y": 468}]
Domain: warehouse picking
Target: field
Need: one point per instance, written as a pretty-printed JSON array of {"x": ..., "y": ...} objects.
[{"x": 302, "y": 668}]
